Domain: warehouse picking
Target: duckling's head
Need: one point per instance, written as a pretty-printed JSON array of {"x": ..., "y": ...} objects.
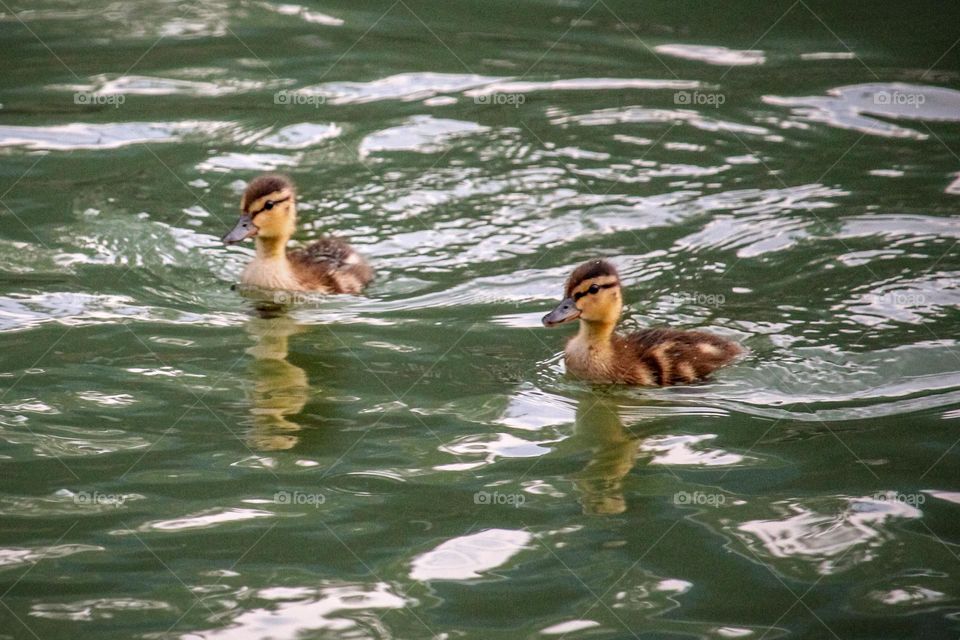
[
  {"x": 268, "y": 209},
  {"x": 592, "y": 294}
]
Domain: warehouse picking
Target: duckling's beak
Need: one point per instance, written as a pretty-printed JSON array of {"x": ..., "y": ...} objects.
[
  {"x": 244, "y": 229},
  {"x": 565, "y": 312}
]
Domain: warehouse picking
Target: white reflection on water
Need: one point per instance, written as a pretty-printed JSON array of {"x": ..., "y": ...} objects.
[
  {"x": 95, "y": 609},
  {"x": 680, "y": 450},
  {"x": 421, "y": 134},
  {"x": 233, "y": 161},
  {"x": 469, "y": 557},
  {"x": 104, "y": 85},
  {"x": 121, "y": 22},
  {"x": 289, "y": 612},
  {"x": 569, "y": 626},
  {"x": 851, "y": 107},
  {"x": 21, "y": 312},
  {"x": 828, "y": 55},
  {"x": 637, "y": 114},
  {"x": 403, "y": 86},
  {"x": 16, "y": 556},
  {"x": 581, "y": 84},
  {"x": 534, "y": 409},
  {"x": 828, "y": 538},
  {"x": 204, "y": 520},
  {"x": 713, "y": 55},
  {"x": 300, "y": 136},
  {"x": 496, "y": 445},
  {"x": 65, "y": 502},
  {"x": 111, "y": 135},
  {"x": 313, "y": 17},
  {"x": 53, "y": 439},
  {"x": 912, "y": 596}
]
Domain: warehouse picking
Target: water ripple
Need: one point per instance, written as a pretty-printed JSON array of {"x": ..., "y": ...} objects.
[
  {"x": 404, "y": 86},
  {"x": 851, "y": 107},
  {"x": 96, "y": 609},
  {"x": 111, "y": 135},
  {"x": 205, "y": 520},
  {"x": 286, "y": 613},
  {"x": 11, "y": 557},
  {"x": 422, "y": 134},
  {"x": 823, "y": 537}
]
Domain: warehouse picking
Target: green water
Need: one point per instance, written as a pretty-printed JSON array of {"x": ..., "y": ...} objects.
[{"x": 414, "y": 463}]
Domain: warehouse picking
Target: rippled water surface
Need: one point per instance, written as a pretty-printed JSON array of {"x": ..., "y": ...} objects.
[{"x": 413, "y": 463}]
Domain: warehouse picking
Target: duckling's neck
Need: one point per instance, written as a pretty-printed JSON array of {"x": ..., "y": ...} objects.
[
  {"x": 272, "y": 248},
  {"x": 271, "y": 269},
  {"x": 589, "y": 353},
  {"x": 595, "y": 333}
]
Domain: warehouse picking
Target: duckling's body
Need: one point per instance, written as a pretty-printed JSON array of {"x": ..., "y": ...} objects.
[
  {"x": 649, "y": 357},
  {"x": 329, "y": 265}
]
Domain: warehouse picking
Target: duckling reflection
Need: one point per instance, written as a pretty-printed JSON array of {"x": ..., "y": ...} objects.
[
  {"x": 600, "y": 483},
  {"x": 279, "y": 389}
]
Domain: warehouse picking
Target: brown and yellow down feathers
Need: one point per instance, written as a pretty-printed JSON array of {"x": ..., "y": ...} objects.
[
  {"x": 669, "y": 356},
  {"x": 330, "y": 264}
]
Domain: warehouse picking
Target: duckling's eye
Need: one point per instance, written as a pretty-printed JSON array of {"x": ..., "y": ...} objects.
[
  {"x": 268, "y": 205},
  {"x": 594, "y": 288}
]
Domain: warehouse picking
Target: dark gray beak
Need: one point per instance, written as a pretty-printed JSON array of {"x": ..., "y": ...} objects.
[
  {"x": 565, "y": 312},
  {"x": 244, "y": 229}
]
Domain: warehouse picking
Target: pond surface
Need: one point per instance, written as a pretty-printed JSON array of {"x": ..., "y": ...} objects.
[{"x": 414, "y": 463}]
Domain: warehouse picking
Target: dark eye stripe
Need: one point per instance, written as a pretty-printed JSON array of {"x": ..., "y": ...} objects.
[
  {"x": 580, "y": 294},
  {"x": 265, "y": 208}
]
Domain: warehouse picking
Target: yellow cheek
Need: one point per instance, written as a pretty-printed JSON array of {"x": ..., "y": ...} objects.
[{"x": 267, "y": 220}]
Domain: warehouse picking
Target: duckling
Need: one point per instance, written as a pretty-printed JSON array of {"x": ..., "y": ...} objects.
[
  {"x": 648, "y": 357},
  {"x": 269, "y": 214}
]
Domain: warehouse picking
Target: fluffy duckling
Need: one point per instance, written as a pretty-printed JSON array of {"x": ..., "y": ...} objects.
[
  {"x": 269, "y": 214},
  {"x": 648, "y": 357}
]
